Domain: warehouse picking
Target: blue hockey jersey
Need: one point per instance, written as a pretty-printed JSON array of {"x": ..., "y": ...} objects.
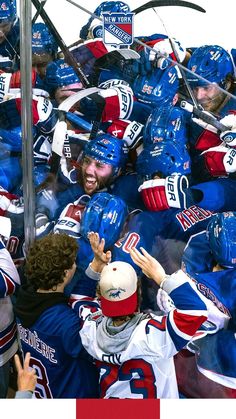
[
  {"x": 49, "y": 329},
  {"x": 219, "y": 286}
]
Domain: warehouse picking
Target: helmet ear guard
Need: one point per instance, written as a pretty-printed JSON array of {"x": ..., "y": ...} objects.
[{"x": 221, "y": 233}]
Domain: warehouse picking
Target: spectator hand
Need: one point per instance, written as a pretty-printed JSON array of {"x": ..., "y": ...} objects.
[
  {"x": 101, "y": 258},
  {"x": 27, "y": 378},
  {"x": 149, "y": 265}
]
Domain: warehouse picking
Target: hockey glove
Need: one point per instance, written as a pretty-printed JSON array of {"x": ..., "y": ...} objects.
[
  {"x": 118, "y": 104},
  {"x": 229, "y": 137},
  {"x": 11, "y": 84},
  {"x": 129, "y": 131},
  {"x": 69, "y": 220},
  {"x": 42, "y": 225},
  {"x": 220, "y": 160},
  {"x": 161, "y": 194},
  {"x": 47, "y": 203},
  {"x": 44, "y": 116},
  {"x": 10, "y": 202}
]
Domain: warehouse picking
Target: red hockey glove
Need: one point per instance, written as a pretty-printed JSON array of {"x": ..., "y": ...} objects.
[
  {"x": 220, "y": 160},
  {"x": 161, "y": 194},
  {"x": 129, "y": 131}
]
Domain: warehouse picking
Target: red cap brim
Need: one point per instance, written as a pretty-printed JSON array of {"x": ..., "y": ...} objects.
[{"x": 119, "y": 308}]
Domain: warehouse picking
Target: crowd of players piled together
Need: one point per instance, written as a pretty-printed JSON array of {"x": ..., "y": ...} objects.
[{"x": 153, "y": 175}]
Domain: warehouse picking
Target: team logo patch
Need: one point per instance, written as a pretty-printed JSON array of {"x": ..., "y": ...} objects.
[
  {"x": 118, "y": 28},
  {"x": 4, "y": 6}
]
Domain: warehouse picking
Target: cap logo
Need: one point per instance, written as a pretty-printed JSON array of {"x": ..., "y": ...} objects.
[{"x": 115, "y": 292}]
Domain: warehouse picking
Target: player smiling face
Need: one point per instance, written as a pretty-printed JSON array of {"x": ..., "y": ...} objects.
[
  {"x": 209, "y": 96},
  {"x": 95, "y": 175}
]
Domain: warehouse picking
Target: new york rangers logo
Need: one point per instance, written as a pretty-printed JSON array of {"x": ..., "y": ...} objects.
[{"x": 118, "y": 28}]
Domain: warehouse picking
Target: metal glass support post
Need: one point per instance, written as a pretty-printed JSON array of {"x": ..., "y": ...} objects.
[{"x": 26, "y": 120}]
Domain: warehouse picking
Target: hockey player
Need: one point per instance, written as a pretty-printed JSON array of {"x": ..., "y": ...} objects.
[
  {"x": 211, "y": 158},
  {"x": 9, "y": 283},
  {"x": 209, "y": 260},
  {"x": 102, "y": 161},
  {"x": 44, "y": 48},
  {"x": 215, "y": 64},
  {"x": 129, "y": 345},
  {"x": 9, "y": 36},
  {"x": 61, "y": 80},
  {"x": 48, "y": 327}
]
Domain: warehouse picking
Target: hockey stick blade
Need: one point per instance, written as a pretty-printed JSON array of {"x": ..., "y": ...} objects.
[{"x": 160, "y": 3}]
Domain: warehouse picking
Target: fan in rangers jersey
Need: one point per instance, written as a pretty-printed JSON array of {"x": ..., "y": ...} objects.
[{"x": 134, "y": 351}]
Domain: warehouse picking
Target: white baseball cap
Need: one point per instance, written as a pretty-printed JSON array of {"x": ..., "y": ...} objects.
[{"x": 118, "y": 288}]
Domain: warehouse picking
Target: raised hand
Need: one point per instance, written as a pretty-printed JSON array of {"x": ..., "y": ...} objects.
[
  {"x": 26, "y": 380},
  {"x": 149, "y": 265},
  {"x": 101, "y": 258}
]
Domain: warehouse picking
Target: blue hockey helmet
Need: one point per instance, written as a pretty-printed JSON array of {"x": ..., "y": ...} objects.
[
  {"x": 157, "y": 88},
  {"x": 212, "y": 62},
  {"x": 105, "y": 6},
  {"x": 109, "y": 150},
  {"x": 59, "y": 73},
  {"x": 104, "y": 214},
  {"x": 12, "y": 137},
  {"x": 221, "y": 233},
  {"x": 43, "y": 41},
  {"x": 7, "y": 11},
  {"x": 166, "y": 123},
  {"x": 165, "y": 158}
]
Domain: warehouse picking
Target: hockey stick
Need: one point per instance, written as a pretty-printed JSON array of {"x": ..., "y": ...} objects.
[
  {"x": 194, "y": 108},
  {"x": 182, "y": 72},
  {"x": 42, "y": 4},
  {"x": 206, "y": 117},
  {"x": 68, "y": 56},
  {"x": 153, "y": 49},
  {"x": 159, "y": 3},
  {"x": 203, "y": 116}
]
